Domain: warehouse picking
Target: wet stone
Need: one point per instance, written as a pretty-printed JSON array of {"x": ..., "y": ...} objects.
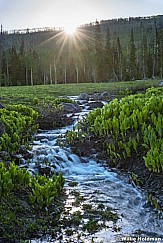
[
  {"x": 95, "y": 104},
  {"x": 83, "y": 96}
]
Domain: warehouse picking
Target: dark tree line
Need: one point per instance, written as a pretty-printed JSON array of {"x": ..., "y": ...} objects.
[
  {"x": 137, "y": 62},
  {"x": 105, "y": 59}
]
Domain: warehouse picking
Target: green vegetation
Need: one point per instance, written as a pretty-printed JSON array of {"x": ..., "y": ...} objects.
[
  {"x": 26, "y": 203},
  {"x": 73, "y": 183},
  {"x": 23, "y": 198},
  {"x": 19, "y": 122},
  {"x": 43, "y": 190},
  {"x": 60, "y": 101},
  {"x": 28, "y": 95},
  {"x": 128, "y": 126},
  {"x": 152, "y": 201}
]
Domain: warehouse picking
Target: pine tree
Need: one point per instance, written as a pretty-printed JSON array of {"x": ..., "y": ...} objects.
[
  {"x": 149, "y": 63},
  {"x": 160, "y": 54},
  {"x": 144, "y": 54},
  {"x": 99, "y": 53},
  {"x": 132, "y": 57},
  {"x": 14, "y": 66},
  {"x": 22, "y": 47},
  {"x": 120, "y": 61},
  {"x": 1, "y": 53},
  {"x": 155, "y": 51},
  {"x": 117, "y": 60},
  {"x": 22, "y": 67},
  {"x": 5, "y": 69},
  {"x": 108, "y": 57}
]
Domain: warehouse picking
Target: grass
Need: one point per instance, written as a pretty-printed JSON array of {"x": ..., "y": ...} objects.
[{"x": 44, "y": 93}]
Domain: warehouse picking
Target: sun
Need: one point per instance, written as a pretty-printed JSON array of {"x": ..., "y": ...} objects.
[{"x": 70, "y": 29}]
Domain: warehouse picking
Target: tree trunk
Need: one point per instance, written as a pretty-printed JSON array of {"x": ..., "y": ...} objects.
[
  {"x": 94, "y": 75},
  {"x": 8, "y": 78},
  {"x": 77, "y": 75},
  {"x": 44, "y": 79},
  {"x": 50, "y": 71},
  {"x": 65, "y": 75},
  {"x": 31, "y": 77},
  {"x": 55, "y": 74},
  {"x": 26, "y": 75}
]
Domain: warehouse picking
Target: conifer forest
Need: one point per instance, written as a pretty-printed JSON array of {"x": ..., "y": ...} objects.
[{"x": 105, "y": 51}]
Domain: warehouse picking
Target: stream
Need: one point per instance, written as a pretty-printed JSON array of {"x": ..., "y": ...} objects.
[{"x": 98, "y": 185}]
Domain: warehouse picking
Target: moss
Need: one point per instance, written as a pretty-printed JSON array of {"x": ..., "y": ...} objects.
[
  {"x": 91, "y": 226},
  {"x": 60, "y": 101},
  {"x": 73, "y": 183},
  {"x": 20, "y": 221}
]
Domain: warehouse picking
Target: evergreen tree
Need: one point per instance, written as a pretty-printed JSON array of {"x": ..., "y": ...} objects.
[
  {"x": 149, "y": 63},
  {"x": 120, "y": 61},
  {"x": 155, "y": 51},
  {"x": 5, "y": 69},
  {"x": 99, "y": 53},
  {"x": 117, "y": 60},
  {"x": 1, "y": 53},
  {"x": 14, "y": 67},
  {"x": 144, "y": 52},
  {"x": 132, "y": 57},
  {"x": 22, "y": 47},
  {"x": 22, "y": 67},
  {"x": 160, "y": 54},
  {"x": 108, "y": 57}
]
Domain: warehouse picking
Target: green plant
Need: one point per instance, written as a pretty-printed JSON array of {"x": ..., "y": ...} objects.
[
  {"x": 45, "y": 190},
  {"x": 91, "y": 226},
  {"x": 60, "y": 101},
  {"x": 12, "y": 178},
  {"x": 19, "y": 122},
  {"x": 127, "y": 126},
  {"x": 35, "y": 101}
]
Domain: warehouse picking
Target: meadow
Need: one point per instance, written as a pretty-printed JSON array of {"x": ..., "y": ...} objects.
[
  {"x": 127, "y": 129},
  {"x": 44, "y": 93}
]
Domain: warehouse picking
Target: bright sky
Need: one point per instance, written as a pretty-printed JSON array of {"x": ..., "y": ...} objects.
[{"x": 22, "y": 14}]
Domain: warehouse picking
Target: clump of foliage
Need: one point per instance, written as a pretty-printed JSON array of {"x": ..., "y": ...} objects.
[
  {"x": 45, "y": 190},
  {"x": 128, "y": 126},
  {"x": 60, "y": 101},
  {"x": 42, "y": 189},
  {"x": 23, "y": 199},
  {"x": 19, "y": 122},
  {"x": 91, "y": 226}
]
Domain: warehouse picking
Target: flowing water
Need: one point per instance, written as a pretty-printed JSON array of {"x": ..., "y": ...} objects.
[{"x": 98, "y": 185}]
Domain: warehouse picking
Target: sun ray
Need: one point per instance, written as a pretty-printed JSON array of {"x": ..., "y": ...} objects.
[
  {"x": 69, "y": 46},
  {"x": 53, "y": 37},
  {"x": 62, "y": 47}
]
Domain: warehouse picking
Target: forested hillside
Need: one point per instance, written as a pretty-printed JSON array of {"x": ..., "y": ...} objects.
[{"x": 109, "y": 50}]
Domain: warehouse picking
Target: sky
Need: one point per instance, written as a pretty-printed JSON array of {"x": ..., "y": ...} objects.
[{"x": 23, "y": 14}]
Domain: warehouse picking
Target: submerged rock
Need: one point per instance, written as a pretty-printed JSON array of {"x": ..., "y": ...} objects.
[
  {"x": 83, "y": 96},
  {"x": 105, "y": 95},
  {"x": 95, "y": 104},
  {"x": 1, "y": 106},
  {"x": 71, "y": 107},
  {"x": 161, "y": 83}
]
